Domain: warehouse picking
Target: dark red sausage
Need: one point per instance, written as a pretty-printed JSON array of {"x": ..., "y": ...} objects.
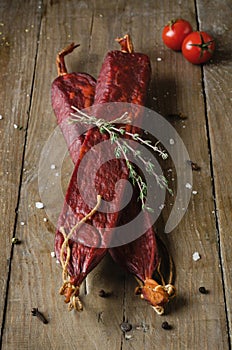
[
  {"x": 141, "y": 258},
  {"x": 71, "y": 89},
  {"x": 124, "y": 77}
]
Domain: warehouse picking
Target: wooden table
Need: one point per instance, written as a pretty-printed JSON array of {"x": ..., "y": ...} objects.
[{"x": 31, "y": 34}]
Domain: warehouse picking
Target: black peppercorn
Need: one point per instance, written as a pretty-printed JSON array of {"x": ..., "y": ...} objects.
[
  {"x": 202, "y": 290},
  {"x": 126, "y": 327},
  {"x": 194, "y": 166},
  {"x": 166, "y": 325},
  {"x": 102, "y": 293}
]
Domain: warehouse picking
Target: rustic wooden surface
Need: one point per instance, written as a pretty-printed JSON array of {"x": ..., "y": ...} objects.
[{"x": 31, "y": 33}]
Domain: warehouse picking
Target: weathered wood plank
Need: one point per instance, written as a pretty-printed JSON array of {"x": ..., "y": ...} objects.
[
  {"x": 196, "y": 320},
  {"x": 217, "y": 79},
  {"x": 18, "y": 43}
]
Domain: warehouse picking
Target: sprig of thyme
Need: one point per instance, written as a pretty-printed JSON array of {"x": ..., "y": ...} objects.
[
  {"x": 122, "y": 148},
  {"x": 106, "y": 126},
  {"x": 147, "y": 143},
  {"x": 149, "y": 167},
  {"x": 133, "y": 175}
]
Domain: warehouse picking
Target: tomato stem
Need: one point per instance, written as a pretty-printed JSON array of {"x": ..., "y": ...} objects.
[
  {"x": 204, "y": 46},
  {"x": 172, "y": 22}
]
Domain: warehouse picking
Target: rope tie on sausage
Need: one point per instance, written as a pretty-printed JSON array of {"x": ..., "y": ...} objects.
[
  {"x": 81, "y": 116},
  {"x": 71, "y": 295},
  {"x": 158, "y": 294}
]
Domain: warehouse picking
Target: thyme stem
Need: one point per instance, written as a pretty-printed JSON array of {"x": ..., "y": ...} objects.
[{"x": 135, "y": 177}]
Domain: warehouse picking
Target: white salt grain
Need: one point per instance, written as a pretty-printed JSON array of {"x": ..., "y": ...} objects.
[
  {"x": 45, "y": 219},
  {"x": 171, "y": 141},
  {"x": 128, "y": 336},
  {"x": 57, "y": 261},
  {"x": 22, "y": 223},
  {"x": 1, "y": 117},
  {"x": 53, "y": 166},
  {"x": 53, "y": 254},
  {"x": 188, "y": 185},
  {"x": 15, "y": 126},
  {"x": 194, "y": 192},
  {"x": 159, "y": 59},
  {"x": 39, "y": 205},
  {"x": 196, "y": 256}
]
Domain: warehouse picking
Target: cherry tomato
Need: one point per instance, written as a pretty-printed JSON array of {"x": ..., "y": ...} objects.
[
  {"x": 198, "y": 47},
  {"x": 174, "y": 33}
]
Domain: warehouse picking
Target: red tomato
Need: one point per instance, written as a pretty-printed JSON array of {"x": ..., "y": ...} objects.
[
  {"x": 198, "y": 47},
  {"x": 174, "y": 33}
]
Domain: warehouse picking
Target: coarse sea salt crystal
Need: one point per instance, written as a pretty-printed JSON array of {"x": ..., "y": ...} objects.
[
  {"x": 39, "y": 205},
  {"x": 53, "y": 166},
  {"x": 188, "y": 185},
  {"x": 22, "y": 223},
  {"x": 194, "y": 192},
  {"x": 159, "y": 59},
  {"x": 53, "y": 254},
  {"x": 128, "y": 336},
  {"x": 1, "y": 117},
  {"x": 15, "y": 126},
  {"x": 196, "y": 256},
  {"x": 171, "y": 141},
  {"x": 45, "y": 219}
]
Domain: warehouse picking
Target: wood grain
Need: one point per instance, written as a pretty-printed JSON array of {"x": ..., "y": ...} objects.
[
  {"x": 177, "y": 86},
  {"x": 217, "y": 82},
  {"x": 18, "y": 44}
]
